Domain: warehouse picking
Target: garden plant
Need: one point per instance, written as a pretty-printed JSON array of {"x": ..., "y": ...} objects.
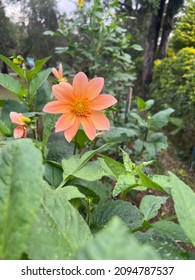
[{"x": 79, "y": 148}]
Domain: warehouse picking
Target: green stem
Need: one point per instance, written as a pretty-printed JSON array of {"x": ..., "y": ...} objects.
[{"x": 75, "y": 145}]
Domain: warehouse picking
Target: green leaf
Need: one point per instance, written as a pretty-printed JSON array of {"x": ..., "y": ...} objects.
[
  {"x": 12, "y": 85},
  {"x": 96, "y": 190},
  {"x": 92, "y": 171},
  {"x": 160, "y": 119},
  {"x": 58, "y": 147},
  {"x": 126, "y": 181},
  {"x": 115, "y": 243},
  {"x": 48, "y": 121},
  {"x": 4, "y": 129},
  {"x": 171, "y": 230},
  {"x": 141, "y": 104},
  {"x": 37, "y": 68},
  {"x": 53, "y": 174},
  {"x": 128, "y": 164},
  {"x": 167, "y": 248},
  {"x": 118, "y": 133},
  {"x": 14, "y": 67},
  {"x": 70, "y": 192},
  {"x": 72, "y": 165},
  {"x": 163, "y": 181},
  {"x": 42, "y": 96},
  {"x": 147, "y": 182},
  {"x": 150, "y": 205},
  {"x": 111, "y": 166},
  {"x": 136, "y": 47},
  {"x": 59, "y": 230},
  {"x": 129, "y": 213},
  {"x": 184, "y": 203},
  {"x": 20, "y": 195},
  {"x": 36, "y": 83}
]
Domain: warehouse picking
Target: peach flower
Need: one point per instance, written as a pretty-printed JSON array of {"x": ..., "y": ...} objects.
[
  {"x": 59, "y": 74},
  {"x": 80, "y": 104},
  {"x": 21, "y": 121}
]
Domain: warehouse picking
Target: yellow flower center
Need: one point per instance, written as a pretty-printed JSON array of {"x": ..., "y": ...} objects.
[
  {"x": 81, "y": 107},
  {"x": 25, "y": 119},
  {"x": 63, "y": 79}
]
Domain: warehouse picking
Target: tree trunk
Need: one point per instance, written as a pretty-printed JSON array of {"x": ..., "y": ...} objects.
[
  {"x": 171, "y": 10},
  {"x": 151, "y": 46}
]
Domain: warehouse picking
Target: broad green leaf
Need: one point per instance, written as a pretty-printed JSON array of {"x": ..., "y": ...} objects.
[
  {"x": 160, "y": 119},
  {"x": 118, "y": 133},
  {"x": 53, "y": 174},
  {"x": 111, "y": 166},
  {"x": 171, "y": 230},
  {"x": 149, "y": 104},
  {"x": 12, "y": 85},
  {"x": 141, "y": 104},
  {"x": 150, "y": 205},
  {"x": 48, "y": 121},
  {"x": 20, "y": 195},
  {"x": 96, "y": 190},
  {"x": 38, "y": 80},
  {"x": 147, "y": 182},
  {"x": 184, "y": 203},
  {"x": 42, "y": 96},
  {"x": 58, "y": 147},
  {"x": 72, "y": 165},
  {"x": 70, "y": 192},
  {"x": 59, "y": 230},
  {"x": 167, "y": 248},
  {"x": 81, "y": 139},
  {"x": 114, "y": 242},
  {"x": 129, "y": 213},
  {"x": 163, "y": 181},
  {"x": 126, "y": 181},
  {"x": 14, "y": 67},
  {"x": 91, "y": 171}
]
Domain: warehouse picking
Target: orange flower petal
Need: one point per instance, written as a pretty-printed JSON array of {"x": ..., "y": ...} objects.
[
  {"x": 60, "y": 71},
  {"x": 88, "y": 127},
  {"x": 100, "y": 121},
  {"x": 71, "y": 131},
  {"x": 63, "y": 91},
  {"x": 64, "y": 122},
  {"x": 56, "y": 107},
  {"x": 80, "y": 84},
  {"x": 55, "y": 73},
  {"x": 15, "y": 118},
  {"x": 20, "y": 132},
  {"x": 95, "y": 86},
  {"x": 102, "y": 102}
]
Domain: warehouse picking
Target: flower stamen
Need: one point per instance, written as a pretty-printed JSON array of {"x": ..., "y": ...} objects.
[{"x": 81, "y": 107}]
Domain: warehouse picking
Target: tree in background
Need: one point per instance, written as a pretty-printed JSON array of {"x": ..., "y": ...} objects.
[
  {"x": 7, "y": 35},
  {"x": 154, "y": 21},
  {"x": 41, "y": 15},
  {"x": 184, "y": 33}
]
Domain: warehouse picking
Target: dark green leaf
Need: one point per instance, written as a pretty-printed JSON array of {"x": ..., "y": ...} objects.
[{"x": 20, "y": 195}]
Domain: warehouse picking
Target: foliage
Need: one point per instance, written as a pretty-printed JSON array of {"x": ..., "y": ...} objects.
[
  {"x": 173, "y": 82},
  {"x": 145, "y": 129},
  {"x": 184, "y": 33},
  {"x": 61, "y": 200},
  {"x": 101, "y": 44}
]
